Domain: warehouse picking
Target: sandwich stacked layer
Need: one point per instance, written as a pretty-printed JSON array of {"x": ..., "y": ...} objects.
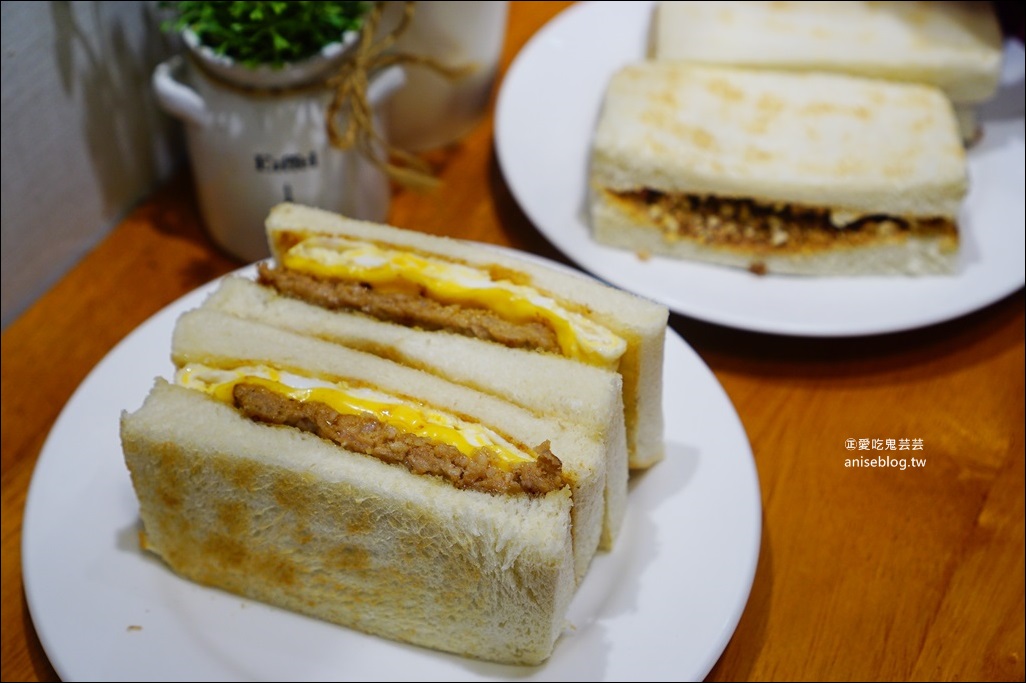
[
  {"x": 955, "y": 46},
  {"x": 574, "y": 394},
  {"x": 800, "y": 173}
]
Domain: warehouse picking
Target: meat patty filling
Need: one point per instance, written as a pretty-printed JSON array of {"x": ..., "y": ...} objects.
[
  {"x": 367, "y": 435},
  {"x": 410, "y": 309}
]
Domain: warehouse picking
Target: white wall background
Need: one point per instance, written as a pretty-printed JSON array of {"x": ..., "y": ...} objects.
[{"x": 83, "y": 139}]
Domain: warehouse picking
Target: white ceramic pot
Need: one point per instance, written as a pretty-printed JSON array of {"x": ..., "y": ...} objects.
[{"x": 251, "y": 149}]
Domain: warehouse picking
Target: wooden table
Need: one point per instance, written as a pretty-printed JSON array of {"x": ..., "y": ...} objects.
[{"x": 863, "y": 574}]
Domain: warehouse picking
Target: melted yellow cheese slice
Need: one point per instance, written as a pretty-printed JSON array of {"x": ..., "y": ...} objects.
[
  {"x": 404, "y": 414},
  {"x": 453, "y": 283}
]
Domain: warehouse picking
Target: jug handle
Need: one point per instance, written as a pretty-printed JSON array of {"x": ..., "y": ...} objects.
[{"x": 176, "y": 97}]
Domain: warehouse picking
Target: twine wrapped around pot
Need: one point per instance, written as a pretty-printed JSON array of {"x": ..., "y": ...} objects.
[{"x": 349, "y": 117}]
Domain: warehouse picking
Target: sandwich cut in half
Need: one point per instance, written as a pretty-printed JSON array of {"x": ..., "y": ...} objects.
[
  {"x": 809, "y": 174},
  {"x": 452, "y": 288},
  {"x": 955, "y": 46},
  {"x": 344, "y": 486},
  {"x": 576, "y": 395}
]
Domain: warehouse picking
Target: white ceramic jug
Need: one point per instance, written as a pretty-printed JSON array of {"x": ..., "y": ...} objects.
[{"x": 253, "y": 149}]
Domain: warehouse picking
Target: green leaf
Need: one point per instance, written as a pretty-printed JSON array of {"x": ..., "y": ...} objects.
[{"x": 255, "y": 33}]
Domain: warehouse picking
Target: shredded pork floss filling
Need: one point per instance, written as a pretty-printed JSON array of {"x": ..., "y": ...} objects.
[{"x": 722, "y": 221}]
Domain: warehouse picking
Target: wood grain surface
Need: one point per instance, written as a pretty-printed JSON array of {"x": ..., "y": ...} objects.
[{"x": 864, "y": 574}]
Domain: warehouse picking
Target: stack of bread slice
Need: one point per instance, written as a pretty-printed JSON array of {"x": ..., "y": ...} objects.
[{"x": 413, "y": 436}]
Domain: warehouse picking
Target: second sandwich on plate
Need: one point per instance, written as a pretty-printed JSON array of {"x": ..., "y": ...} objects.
[{"x": 452, "y": 288}]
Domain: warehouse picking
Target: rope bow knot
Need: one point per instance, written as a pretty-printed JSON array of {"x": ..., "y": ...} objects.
[{"x": 350, "y": 119}]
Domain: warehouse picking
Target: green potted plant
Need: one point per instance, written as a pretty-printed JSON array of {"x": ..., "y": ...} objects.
[
  {"x": 255, "y": 89},
  {"x": 268, "y": 44}
]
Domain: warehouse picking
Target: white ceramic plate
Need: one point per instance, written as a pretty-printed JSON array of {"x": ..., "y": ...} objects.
[
  {"x": 661, "y": 606},
  {"x": 548, "y": 107}
]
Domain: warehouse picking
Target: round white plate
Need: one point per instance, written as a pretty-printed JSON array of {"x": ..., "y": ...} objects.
[
  {"x": 548, "y": 107},
  {"x": 661, "y": 606}
]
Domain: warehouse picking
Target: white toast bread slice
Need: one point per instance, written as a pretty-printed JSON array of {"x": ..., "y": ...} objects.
[{"x": 956, "y": 46}]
